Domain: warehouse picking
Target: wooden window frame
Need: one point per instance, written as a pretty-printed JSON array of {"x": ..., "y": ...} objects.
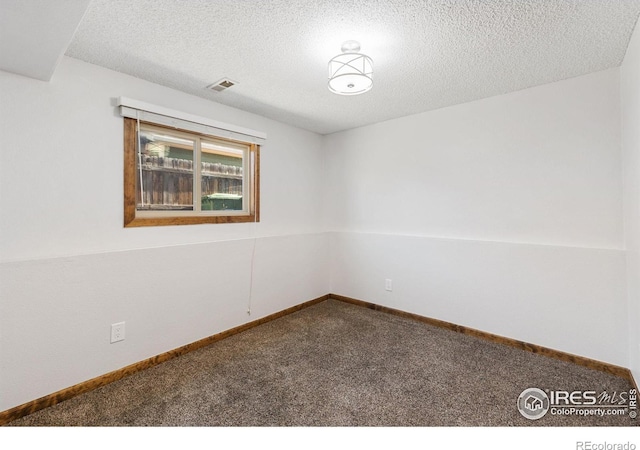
[{"x": 131, "y": 180}]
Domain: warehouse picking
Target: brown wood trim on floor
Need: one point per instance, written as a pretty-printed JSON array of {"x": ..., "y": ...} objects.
[
  {"x": 86, "y": 386},
  {"x": 556, "y": 354}
]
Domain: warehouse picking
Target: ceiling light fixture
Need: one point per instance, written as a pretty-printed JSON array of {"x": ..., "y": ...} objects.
[{"x": 350, "y": 73}]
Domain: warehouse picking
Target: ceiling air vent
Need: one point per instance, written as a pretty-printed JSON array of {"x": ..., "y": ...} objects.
[{"x": 221, "y": 85}]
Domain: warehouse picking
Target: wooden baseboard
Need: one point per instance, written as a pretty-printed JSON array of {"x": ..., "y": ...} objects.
[
  {"x": 633, "y": 382},
  {"x": 86, "y": 386},
  {"x": 556, "y": 354}
]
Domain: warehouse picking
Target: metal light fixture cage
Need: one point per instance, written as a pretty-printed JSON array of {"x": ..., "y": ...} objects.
[{"x": 350, "y": 73}]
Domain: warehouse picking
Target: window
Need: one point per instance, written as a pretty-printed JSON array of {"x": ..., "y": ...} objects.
[{"x": 175, "y": 176}]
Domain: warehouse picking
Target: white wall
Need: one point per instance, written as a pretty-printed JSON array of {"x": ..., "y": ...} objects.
[
  {"x": 503, "y": 214},
  {"x": 61, "y": 155},
  {"x": 68, "y": 268},
  {"x": 630, "y": 74}
]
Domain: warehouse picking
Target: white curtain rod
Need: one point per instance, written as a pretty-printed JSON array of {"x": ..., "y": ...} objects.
[{"x": 137, "y": 109}]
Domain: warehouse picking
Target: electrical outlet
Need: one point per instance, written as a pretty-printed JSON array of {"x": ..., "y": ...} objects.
[
  {"x": 117, "y": 332},
  {"x": 388, "y": 285}
]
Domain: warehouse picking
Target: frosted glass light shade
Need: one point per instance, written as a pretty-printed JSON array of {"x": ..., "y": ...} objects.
[{"x": 350, "y": 74}]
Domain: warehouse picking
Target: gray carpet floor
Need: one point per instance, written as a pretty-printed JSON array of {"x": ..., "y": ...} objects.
[{"x": 335, "y": 364}]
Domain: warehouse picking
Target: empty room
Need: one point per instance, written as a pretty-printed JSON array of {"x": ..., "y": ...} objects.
[{"x": 296, "y": 213}]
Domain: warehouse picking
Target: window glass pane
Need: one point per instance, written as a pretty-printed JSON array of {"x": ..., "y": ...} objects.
[
  {"x": 164, "y": 172},
  {"x": 222, "y": 175}
]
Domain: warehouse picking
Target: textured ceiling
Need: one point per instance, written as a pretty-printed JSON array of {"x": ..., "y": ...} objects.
[{"x": 427, "y": 54}]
